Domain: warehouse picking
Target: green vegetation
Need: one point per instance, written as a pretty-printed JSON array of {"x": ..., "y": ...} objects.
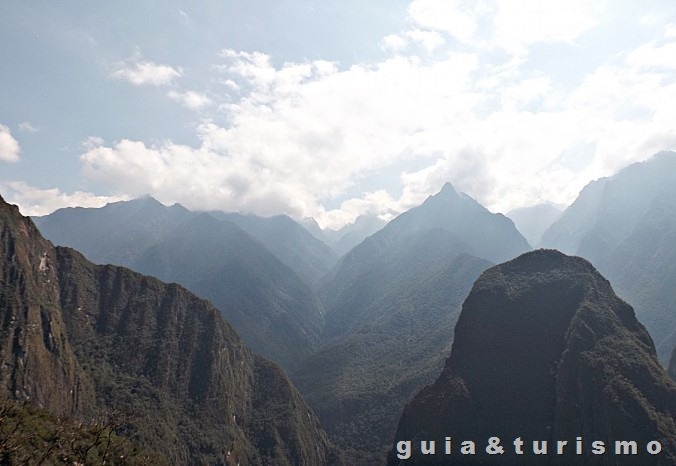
[{"x": 37, "y": 437}]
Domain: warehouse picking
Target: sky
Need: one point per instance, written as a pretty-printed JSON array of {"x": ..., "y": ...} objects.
[{"x": 328, "y": 109}]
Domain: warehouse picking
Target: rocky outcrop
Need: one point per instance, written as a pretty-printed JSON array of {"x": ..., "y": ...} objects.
[{"x": 544, "y": 351}]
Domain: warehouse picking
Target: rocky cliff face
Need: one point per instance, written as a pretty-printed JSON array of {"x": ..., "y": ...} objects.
[
  {"x": 545, "y": 351},
  {"x": 38, "y": 363},
  {"x": 85, "y": 339}
]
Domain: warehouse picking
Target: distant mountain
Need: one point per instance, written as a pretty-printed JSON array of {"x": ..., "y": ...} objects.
[
  {"x": 273, "y": 310},
  {"x": 306, "y": 255},
  {"x": 626, "y": 226},
  {"x": 534, "y": 220},
  {"x": 420, "y": 241},
  {"x": 544, "y": 351},
  {"x": 390, "y": 303},
  {"x": 250, "y": 273},
  {"x": 347, "y": 237},
  {"x": 672, "y": 364},
  {"x": 119, "y": 232},
  {"x": 84, "y": 340},
  {"x": 351, "y": 235},
  {"x": 116, "y": 233}
]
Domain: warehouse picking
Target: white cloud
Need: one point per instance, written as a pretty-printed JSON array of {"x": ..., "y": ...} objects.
[
  {"x": 428, "y": 40},
  {"x": 190, "y": 99},
  {"x": 35, "y": 201},
  {"x": 27, "y": 127},
  {"x": 520, "y": 24},
  {"x": 651, "y": 56},
  {"x": 9, "y": 147},
  {"x": 670, "y": 30},
  {"x": 301, "y": 135},
  {"x": 478, "y": 111},
  {"x": 394, "y": 43},
  {"x": 513, "y": 26},
  {"x": 454, "y": 17},
  {"x": 140, "y": 72}
]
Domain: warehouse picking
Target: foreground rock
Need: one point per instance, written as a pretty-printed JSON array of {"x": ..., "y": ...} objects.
[{"x": 544, "y": 351}]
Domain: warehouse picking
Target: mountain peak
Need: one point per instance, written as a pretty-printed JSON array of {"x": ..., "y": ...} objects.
[
  {"x": 489, "y": 236},
  {"x": 447, "y": 191}
]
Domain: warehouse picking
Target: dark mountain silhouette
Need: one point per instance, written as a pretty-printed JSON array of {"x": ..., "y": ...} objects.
[
  {"x": 545, "y": 351},
  {"x": 626, "y": 226},
  {"x": 672, "y": 365},
  {"x": 82, "y": 339},
  {"x": 273, "y": 310}
]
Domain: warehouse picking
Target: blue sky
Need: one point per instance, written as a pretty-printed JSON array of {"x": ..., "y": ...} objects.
[{"x": 328, "y": 109}]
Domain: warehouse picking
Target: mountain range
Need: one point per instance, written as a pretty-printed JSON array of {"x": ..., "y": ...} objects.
[
  {"x": 243, "y": 270},
  {"x": 83, "y": 340},
  {"x": 391, "y": 304},
  {"x": 361, "y": 332}
]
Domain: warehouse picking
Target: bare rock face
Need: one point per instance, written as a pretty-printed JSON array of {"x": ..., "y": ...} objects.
[
  {"x": 38, "y": 363},
  {"x": 544, "y": 351},
  {"x": 83, "y": 339}
]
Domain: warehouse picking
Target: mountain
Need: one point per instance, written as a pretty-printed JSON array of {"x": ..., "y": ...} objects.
[
  {"x": 274, "y": 311},
  {"x": 672, "y": 364},
  {"x": 626, "y": 226},
  {"x": 354, "y": 233},
  {"x": 415, "y": 243},
  {"x": 116, "y": 233},
  {"x": 287, "y": 240},
  {"x": 84, "y": 340},
  {"x": 533, "y": 221},
  {"x": 347, "y": 237},
  {"x": 544, "y": 351},
  {"x": 390, "y": 303}
]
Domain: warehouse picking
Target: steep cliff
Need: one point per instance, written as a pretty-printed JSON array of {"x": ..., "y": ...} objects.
[{"x": 545, "y": 351}]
